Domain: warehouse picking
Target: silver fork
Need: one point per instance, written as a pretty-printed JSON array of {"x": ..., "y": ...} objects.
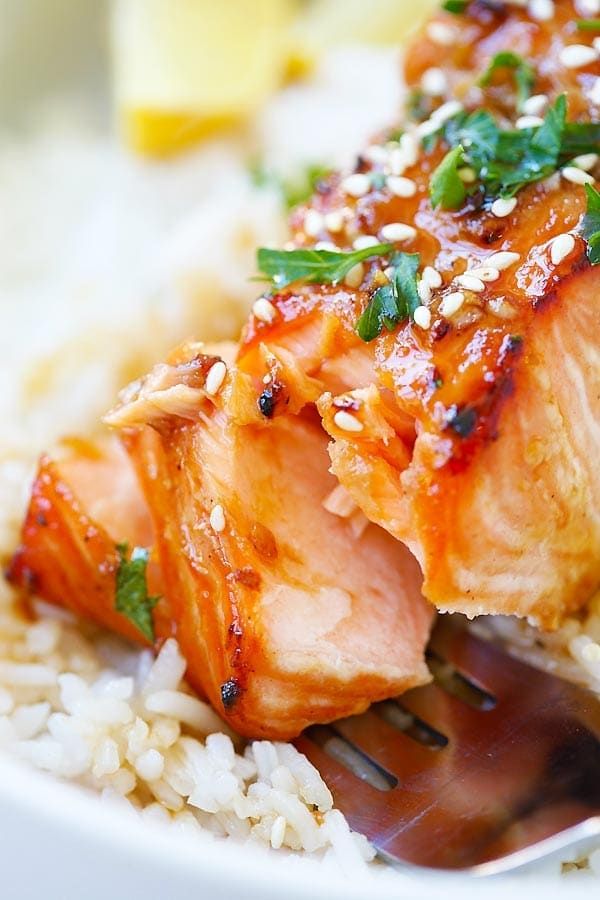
[{"x": 492, "y": 767}]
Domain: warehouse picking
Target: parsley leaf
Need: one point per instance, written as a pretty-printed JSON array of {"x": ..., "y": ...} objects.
[
  {"x": 588, "y": 24},
  {"x": 591, "y": 224},
  {"x": 131, "y": 595},
  {"x": 446, "y": 188},
  {"x": 315, "y": 266},
  {"x": 393, "y": 302},
  {"x": 524, "y": 74},
  {"x": 579, "y": 138},
  {"x": 455, "y": 6}
]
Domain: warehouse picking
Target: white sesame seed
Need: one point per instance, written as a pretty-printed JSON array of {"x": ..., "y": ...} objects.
[
  {"x": 215, "y": 378},
  {"x": 398, "y": 231},
  {"x": 588, "y": 7},
  {"x": 365, "y": 240},
  {"x": 485, "y": 273},
  {"x": 398, "y": 162},
  {"x": 429, "y": 126},
  {"x": 451, "y": 304},
  {"x": 410, "y": 147},
  {"x": 467, "y": 174},
  {"x": 533, "y": 106},
  {"x": 355, "y": 276},
  {"x": 503, "y": 207},
  {"x": 313, "y": 223},
  {"x": 346, "y": 421},
  {"x": 422, "y": 317},
  {"x": 334, "y": 221},
  {"x": 432, "y": 277},
  {"x": 593, "y": 93},
  {"x": 541, "y": 10},
  {"x": 441, "y": 34},
  {"x": 217, "y": 518},
  {"x": 264, "y": 310},
  {"x": 503, "y": 259},
  {"x": 586, "y": 161},
  {"x": 424, "y": 291},
  {"x": 376, "y": 154},
  {"x": 434, "y": 82},
  {"x": 277, "y": 832},
  {"x": 356, "y": 185},
  {"x": 401, "y": 187},
  {"x": 446, "y": 111},
  {"x": 577, "y": 56},
  {"x": 596, "y": 43},
  {"x": 326, "y": 245},
  {"x": 528, "y": 122},
  {"x": 561, "y": 247},
  {"x": 470, "y": 283},
  {"x": 577, "y": 176}
]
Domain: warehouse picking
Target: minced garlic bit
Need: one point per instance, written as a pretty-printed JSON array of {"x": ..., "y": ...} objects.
[
  {"x": 264, "y": 310},
  {"x": 217, "y": 518},
  {"x": 470, "y": 282},
  {"x": 577, "y": 56},
  {"x": 347, "y": 422},
  {"x": 422, "y": 317},
  {"x": 400, "y": 186},
  {"x": 561, "y": 247},
  {"x": 576, "y": 175},
  {"x": 503, "y": 207},
  {"x": 356, "y": 185},
  {"x": 535, "y": 105},
  {"x": 451, "y": 304},
  {"x": 398, "y": 231},
  {"x": 503, "y": 259},
  {"x": 215, "y": 378}
]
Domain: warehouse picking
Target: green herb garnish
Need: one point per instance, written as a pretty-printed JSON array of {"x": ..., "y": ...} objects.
[
  {"x": 523, "y": 72},
  {"x": 131, "y": 596},
  {"x": 293, "y": 189},
  {"x": 446, "y": 188},
  {"x": 393, "y": 302},
  {"x": 591, "y": 225},
  {"x": 315, "y": 266},
  {"x": 580, "y": 138},
  {"x": 455, "y": 6},
  {"x": 588, "y": 24}
]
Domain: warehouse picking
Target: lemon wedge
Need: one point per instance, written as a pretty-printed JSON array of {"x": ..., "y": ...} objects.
[{"x": 184, "y": 68}]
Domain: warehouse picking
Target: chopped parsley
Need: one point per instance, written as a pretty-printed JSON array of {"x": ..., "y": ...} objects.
[
  {"x": 455, "y": 6},
  {"x": 392, "y": 302},
  {"x": 315, "y": 266},
  {"x": 591, "y": 225},
  {"x": 579, "y": 138},
  {"x": 523, "y": 73},
  {"x": 131, "y": 595},
  {"x": 588, "y": 24},
  {"x": 446, "y": 188}
]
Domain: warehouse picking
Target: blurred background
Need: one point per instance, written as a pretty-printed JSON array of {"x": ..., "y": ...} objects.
[{"x": 147, "y": 147}]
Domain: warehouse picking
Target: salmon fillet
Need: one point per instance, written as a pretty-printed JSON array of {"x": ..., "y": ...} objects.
[{"x": 471, "y": 438}]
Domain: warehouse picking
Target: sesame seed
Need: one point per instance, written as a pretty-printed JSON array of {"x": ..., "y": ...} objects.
[
  {"x": 588, "y": 7},
  {"x": 485, "y": 273},
  {"x": 576, "y": 176},
  {"x": 577, "y": 56},
  {"x": 398, "y": 231},
  {"x": 561, "y": 247},
  {"x": 424, "y": 291},
  {"x": 313, "y": 223},
  {"x": 593, "y": 93},
  {"x": 365, "y": 240},
  {"x": 541, "y": 10},
  {"x": 215, "y": 378},
  {"x": 376, "y": 154},
  {"x": 503, "y": 259},
  {"x": 334, "y": 221},
  {"x": 217, "y": 518},
  {"x": 432, "y": 277},
  {"x": 401, "y": 187},
  {"x": 356, "y": 185},
  {"x": 467, "y": 174},
  {"x": 264, "y": 310},
  {"x": 503, "y": 207},
  {"x": 528, "y": 122},
  {"x": 451, "y": 303},
  {"x": 434, "y": 82},
  {"x": 533, "y": 106},
  {"x": 326, "y": 245},
  {"x": 586, "y": 161},
  {"x": 470, "y": 283},
  {"x": 447, "y": 111},
  {"x": 430, "y": 126},
  {"x": 441, "y": 34},
  {"x": 355, "y": 276},
  {"x": 410, "y": 147},
  {"x": 398, "y": 162},
  {"x": 422, "y": 317},
  {"x": 346, "y": 421}
]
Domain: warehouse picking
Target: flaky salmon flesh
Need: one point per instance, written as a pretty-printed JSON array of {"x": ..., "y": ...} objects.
[{"x": 295, "y": 489}]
